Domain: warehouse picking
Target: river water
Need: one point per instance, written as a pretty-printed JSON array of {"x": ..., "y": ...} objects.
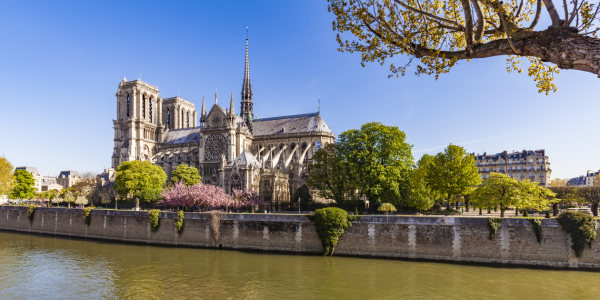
[{"x": 47, "y": 267}]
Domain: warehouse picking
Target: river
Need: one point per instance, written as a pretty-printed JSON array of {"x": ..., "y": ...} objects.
[{"x": 47, "y": 267}]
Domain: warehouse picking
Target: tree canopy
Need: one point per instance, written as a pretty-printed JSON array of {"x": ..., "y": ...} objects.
[
  {"x": 380, "y": 159},
  {"x": 453, "y": 172},
  {"x": 139, "y": 180},
  {"x": 189, "y": 175},
  {"x": 331, "y": 175},
  {"x": 6, "y": 176},
  {"x": 24, "y": 187},
  {"x": 439, "y": 33},
  {"x": 422, "y": 195}
]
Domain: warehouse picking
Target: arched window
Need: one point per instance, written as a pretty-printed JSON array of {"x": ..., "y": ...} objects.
[
  {"x": 182, "y": 118},
  {"x": 143, "y": 106},
  {"x": 127, "y": 105},
  {"x": 150, "y": 109},
  {"x": 188, "y": 119},
  {"x": 168, "y": 118}
]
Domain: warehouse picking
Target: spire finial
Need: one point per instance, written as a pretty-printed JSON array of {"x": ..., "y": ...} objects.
[
  {"x": 216, "y": 92},
  {"x": 203, "y": 113},
  {"x": 319, "y": 105},
  {"x": 231, "y": 108}
]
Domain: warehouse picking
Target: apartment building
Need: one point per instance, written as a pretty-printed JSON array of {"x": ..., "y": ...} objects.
[
  {"x": 587, "y": 180},
  {"x": 527, "y": 164}
]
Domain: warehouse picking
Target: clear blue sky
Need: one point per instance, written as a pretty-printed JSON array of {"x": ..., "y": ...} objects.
[{"x": 61, "y": 62}]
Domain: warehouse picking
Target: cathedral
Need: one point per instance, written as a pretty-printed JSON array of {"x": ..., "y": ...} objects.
[{"x": 269, "y": 155}]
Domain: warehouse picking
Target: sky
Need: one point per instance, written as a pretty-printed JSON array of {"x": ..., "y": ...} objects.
[{"x": 61, "y": 63}]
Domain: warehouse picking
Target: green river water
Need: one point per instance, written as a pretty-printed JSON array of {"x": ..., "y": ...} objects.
[{"x": 47, "y": 267}]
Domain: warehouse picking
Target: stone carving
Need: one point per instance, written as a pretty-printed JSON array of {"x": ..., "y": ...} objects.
[{"x": 215, "y": 146}]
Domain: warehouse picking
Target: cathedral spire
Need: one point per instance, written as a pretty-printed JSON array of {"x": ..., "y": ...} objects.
[
  {"x": 246, "y": 107},
  {"x": 203, "y": 113},
  {"x": 231, "y": 108}
]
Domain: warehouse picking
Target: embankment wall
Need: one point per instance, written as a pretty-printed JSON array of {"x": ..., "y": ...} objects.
[{"x": 421, "y": 238}]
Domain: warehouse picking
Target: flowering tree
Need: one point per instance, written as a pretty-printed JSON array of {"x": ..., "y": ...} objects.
[
  {"x": 68, "y": 197},
  {"x": 56, "y": 200},
  {"x": 246, "y": 197},
  {"x": 210, "y": 195},
  {"x": 178, "y": 195}
]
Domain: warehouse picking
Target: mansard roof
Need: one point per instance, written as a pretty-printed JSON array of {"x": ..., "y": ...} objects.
[
  {"x": 291, "y": 124},
  {"x": 68, "y": 174},
  {"x": 246, "y": 159},
  {"x": 182, "y": 136}
]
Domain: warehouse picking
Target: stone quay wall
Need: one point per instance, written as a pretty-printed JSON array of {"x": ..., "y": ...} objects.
[{"x": 451, "y": 239}]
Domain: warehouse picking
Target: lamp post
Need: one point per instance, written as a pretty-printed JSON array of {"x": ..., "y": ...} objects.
[{"x": 299, "y": 205}]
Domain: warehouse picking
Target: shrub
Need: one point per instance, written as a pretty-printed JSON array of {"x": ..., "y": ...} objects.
[
  {"x": 494, "y": 224},
  {"x": 331, "y": 223},
  {"x": 387, "y": 207},
  {"x": 179, "y": 223},
  {"x": 581, "y": 227},
  {"x": 31, "y": 212},
  {"x": 537, "y": 228},
  {"x": 153, "y": 219},
  {"x": 87, "y": 215}
]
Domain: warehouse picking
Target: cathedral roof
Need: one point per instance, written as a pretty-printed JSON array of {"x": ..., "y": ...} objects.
[
  {"x": 182, "y": 136},
  {"x": 246, "y": 159},
  {"x": 290, "y": 124}
]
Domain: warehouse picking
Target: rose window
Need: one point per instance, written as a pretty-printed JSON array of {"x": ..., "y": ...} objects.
[{"x": 215, "y": 146}]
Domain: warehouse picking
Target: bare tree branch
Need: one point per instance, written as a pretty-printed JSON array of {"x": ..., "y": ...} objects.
[
  {"x": 468, "y": 23},
  {"x": 553, "y": 13},
  {"x": 566, "y": 13},
  {"x": 480, "y": 21},
  {"x": 538, "y": 11}
]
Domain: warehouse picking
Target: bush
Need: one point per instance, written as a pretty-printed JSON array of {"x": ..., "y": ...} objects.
[
  {"x": 537, "y": 228},
  {"x": 386, "y": 207},
  {"x": 179, "y": 223},
  {"x": 153, "y": 219},
  {"x": 31, "y": 212},
  {"x": 87, "y": 215},
  {"x": 331, "y": 223},
  {"x": 494, "y": 224},
  {"x": 582, "y": 228}
]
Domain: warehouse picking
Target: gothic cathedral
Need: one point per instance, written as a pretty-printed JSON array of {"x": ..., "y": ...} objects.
[{"x": 269, "y": 155}]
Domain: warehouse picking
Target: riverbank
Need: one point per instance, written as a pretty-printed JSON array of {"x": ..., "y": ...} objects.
[{"x": 451, "y": 239}]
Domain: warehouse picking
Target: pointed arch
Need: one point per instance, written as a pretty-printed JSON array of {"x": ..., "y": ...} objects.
[
  {"x": 150, "y": 111},
  {"x": 144, "y": 106},
  {"x": 128, "y": 105},
  {"x": 188, "y": 119},
  {"x": 168, "y": 118}
]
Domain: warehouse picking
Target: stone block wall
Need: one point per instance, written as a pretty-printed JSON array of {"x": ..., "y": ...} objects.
[{"x": 452, "y": 239}]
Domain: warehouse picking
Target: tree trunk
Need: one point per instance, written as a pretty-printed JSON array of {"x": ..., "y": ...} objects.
[
  {"x": 595, "y": 209},
  {"x": 516, "y": 212},
  {"x": 480, "y": 211},
  {"x": 501, "y": 210},
  {"x": 555, "y": 209},
  {"x": 466, "y": 204}
]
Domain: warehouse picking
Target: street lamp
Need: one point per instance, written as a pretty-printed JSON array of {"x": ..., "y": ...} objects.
[{"x": 298, "y": 205}]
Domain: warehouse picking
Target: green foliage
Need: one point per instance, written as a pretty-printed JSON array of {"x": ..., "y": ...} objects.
[
  {"x": 139, "y": 180},
  {"x": 331, "y": 175},
  {"x": 87, "y": 215},
  {"x": 153, "y": 219},
  {"x": 31, "y": 212},
  {"x": 422, "y": 195},
  {"x": 24, "y": 185},
  {"x": 547, "y": 214},
  {"x": 582, "y": 228},
  {"x": 186, "y": 174},
  {"x": 356, "y": 211},
  {"x": 331, "y": 223},
  {"x": 386, "y": 207},
  {"x": 380, "y": 158},
  {"x": 302, "y": 193},
  {"x": 6, "y": 176},
  {"x": 179, "y": 223},
  {"x": 537, "y": 227},
  {"x": 494, "y": 224},
  {"x": 453, "y": 172}
]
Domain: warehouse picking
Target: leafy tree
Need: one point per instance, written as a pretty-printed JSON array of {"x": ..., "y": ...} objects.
[
  {"x": 24, "y": 185},
  {"x": 387, "y": 207},
  {"x": 535, "y": 196},
  {"x": 139, "y": 180},
  {"x": 499, "y": 189},
  {"x": 57, "y": 199},
  {"x": 591, "y": 195},
  {"x": 422, "y": 195},
  {"x": 564, "y": 194},
  {"x": 189, "y": 175},
  {"x": 331, "y": 175},
  {"x": 441, "y": 32},
  {"x": 104, "y": 198},
  {"x": 303, "y": 193},
  {"x": 6, "y": 176},
  {"x": 381, "y": 158},
  {"x": 453, "y": 172},
  {"x": 68, "y": 197}
]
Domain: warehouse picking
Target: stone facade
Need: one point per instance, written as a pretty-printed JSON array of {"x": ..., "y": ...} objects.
[
  {"x": 587, "y": 180},
  {"x": 229, "y": 150},
  {"x": 452, "y": 239},
  {"x": 528, "y": 164}
]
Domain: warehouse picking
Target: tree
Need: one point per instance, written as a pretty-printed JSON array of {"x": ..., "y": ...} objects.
[
  {"x": 69, "y": 198},
  {"x": 81, "y": 200},
  {"x": 422, "y": 195},
  {"x": 331, "y": 175},
  {"x": 24, "y": 185},
  {"x": 56, "y": 200},
  {"x": 453, "y": 172},
  {"x": 564, "y": 194},
  {"x": 386, "y": 207},
  {"x": 104, "y": 198},
  {"x": 535, "y": 196},
  {"x": 189, "y": 175},
  {"x": 6, "y": 176},
  {"x": 441, "y": 32},
  {"x": 139, "y": 180},
  {"x": 499, "y": 189},
  {"x": 246, "y": 197},
  {"x": 380, "y": 159},
  {"x": 591, "y": 195}
]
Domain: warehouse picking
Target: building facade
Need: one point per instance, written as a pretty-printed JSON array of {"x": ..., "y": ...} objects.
[
  {"x": 68, "y": 178},
  {"x": 587, "y": 180},
  {"x": 233, "y": 151},
  {"x": 527, "y": 164}
]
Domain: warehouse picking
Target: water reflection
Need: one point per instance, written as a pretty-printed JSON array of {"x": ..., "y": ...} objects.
[{"x": 48, "y": 267}]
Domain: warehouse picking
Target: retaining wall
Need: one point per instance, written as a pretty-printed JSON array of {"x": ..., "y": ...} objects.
[{"x": 422, "y": 238}]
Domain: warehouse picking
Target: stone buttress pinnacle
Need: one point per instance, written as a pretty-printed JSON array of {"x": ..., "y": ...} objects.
[
  {"x": 203, "y": 113},
  {"x": 231, "y": 108}
]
